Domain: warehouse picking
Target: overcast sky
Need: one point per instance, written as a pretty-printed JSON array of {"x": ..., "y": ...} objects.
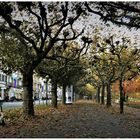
[
  {"x": 113, "y": 29},
  {"x": 122, "y": 31}
]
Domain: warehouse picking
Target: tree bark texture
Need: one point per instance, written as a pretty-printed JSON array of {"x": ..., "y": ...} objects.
[
  {"x": 54, "y": 94},
  {"x": 28, "y": 108},
  {"x": 103, "y": 94},
  {"x": 73, "y": 94},
  {"x": 64, "y": 94},
  {"x": 108, "y": 103},
  {"x": 98, "y": 94},
  {"x": 121, "y": 96},
  {"x": 46, "y": 92}
]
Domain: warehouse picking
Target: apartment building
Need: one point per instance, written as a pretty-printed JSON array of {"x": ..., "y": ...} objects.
[
  {"x": 39, "y": 87},
  {"x": 11, "y": 86}
]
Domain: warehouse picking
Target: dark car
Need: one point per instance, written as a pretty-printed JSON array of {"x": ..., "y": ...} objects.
[
  {"x": 6, "y": 98},
  {"x": 36, "y": 98},
  {"x": 13, "y": 99},
  {"x": 44, "y": 98}
]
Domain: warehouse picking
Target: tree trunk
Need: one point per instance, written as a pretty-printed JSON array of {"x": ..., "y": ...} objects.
[
  {"x": 64, "y": 94},
  {"x": 46, "y": 93},
  {"x": 121, "y": 96},
  {"x": 103, "y": 94},
  {"x": 28, "y": 108},
  {"x": 73, "y": 94},
  {"x": 54, "y": 94},
  {"x": 108, "y": 103},
  {"x": 98, "y": 94}
]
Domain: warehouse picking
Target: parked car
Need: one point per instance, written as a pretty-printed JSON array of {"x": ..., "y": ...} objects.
[
  {"x": 36, "y": 98},
  {"x": 44, "y": 98},
  {"x": 13, "y": 99},
  {"x": 6, "y": 98}
]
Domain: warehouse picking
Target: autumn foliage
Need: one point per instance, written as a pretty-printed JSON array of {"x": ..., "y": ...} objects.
[{"x": 131, "y": 87}]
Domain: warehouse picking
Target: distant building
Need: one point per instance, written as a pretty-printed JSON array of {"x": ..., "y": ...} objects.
[
  {"x": 39, "y": 87},
  {"x": 11, "y": 86},
  {"x": 70, "y": 95}
]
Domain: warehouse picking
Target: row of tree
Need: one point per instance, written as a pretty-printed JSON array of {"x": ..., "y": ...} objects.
[
  {"x": 113, "y": 60},
  {"x": 34, "y": 31},
  {"x": 64, "y": 71}
]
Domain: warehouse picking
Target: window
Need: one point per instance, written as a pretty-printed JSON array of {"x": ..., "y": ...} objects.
[
  {"x": 20, "y": 83},
  {"x": 69, "y": 99},
  {"x": 15, "y": 83},
  {"x": 8, "y": 79},
  {"x": 0, "y": 77},
  {"x": 12, "y": 81},
  {"x": 3, "y": 78}
]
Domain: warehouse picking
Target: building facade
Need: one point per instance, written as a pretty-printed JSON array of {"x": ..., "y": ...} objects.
[
  {"x": 70, "y": 94},
  {"x": 11, "y": 86},
  {"x": 39, "y": 87}
]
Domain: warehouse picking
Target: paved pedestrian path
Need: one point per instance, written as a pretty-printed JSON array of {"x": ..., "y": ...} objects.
[{"x": 83, "y": 119}]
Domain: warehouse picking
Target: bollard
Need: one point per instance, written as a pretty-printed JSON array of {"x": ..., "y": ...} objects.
[
  {"x": 1, "y": 114},
  {"x": 1, "y": 102},
  {"x": 2, "y": 119},
  {"x": 1, "y": 108}
]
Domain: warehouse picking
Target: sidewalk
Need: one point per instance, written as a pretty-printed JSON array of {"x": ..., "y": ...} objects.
[{"x": 83, "y": 119}]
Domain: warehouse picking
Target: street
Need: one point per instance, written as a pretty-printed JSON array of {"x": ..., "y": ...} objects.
[
  {"x": 82, "y": 119},
  {"x": 11, "y": 105}
]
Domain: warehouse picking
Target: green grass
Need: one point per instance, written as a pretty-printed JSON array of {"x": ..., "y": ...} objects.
[
  {"x": 41, "y": 106},
  {"x": 16, "y": 113},
  {"x": 134, "y": 106}
]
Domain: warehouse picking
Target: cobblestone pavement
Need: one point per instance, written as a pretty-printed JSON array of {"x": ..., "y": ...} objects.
[{"x": 83, "y": 119}]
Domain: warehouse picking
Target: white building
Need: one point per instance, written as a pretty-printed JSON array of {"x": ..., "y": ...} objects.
[
  {"x": 10, "y": 85},
  {"x": 70, "y": 95},
  {"x": 39, "y": 87}
]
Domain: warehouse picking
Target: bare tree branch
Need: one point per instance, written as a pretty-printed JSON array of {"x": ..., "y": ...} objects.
[{"x": 8, "y": 19}]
